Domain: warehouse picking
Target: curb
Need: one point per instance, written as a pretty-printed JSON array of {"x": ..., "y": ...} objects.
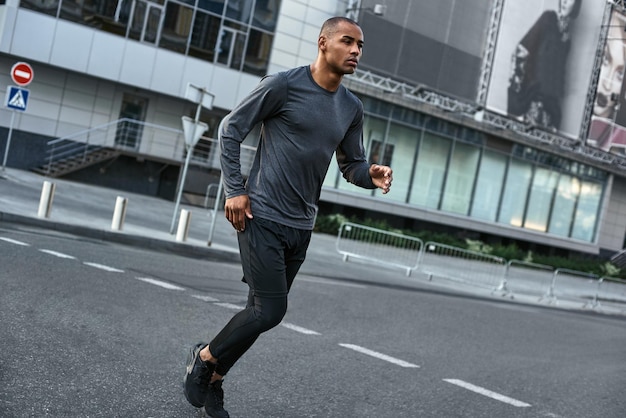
[{"x": 120, "y": 237}]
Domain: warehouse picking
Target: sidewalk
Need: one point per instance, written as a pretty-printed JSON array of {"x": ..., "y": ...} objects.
[{"x": 87, "y": 210}]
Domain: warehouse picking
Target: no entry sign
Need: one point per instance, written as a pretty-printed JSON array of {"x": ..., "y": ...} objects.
[{"x": 22, "y": 74}]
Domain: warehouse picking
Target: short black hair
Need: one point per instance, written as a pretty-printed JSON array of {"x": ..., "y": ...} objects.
[{"x": 330, "y": 26}]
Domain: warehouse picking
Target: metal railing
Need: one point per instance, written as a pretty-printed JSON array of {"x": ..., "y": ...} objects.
[
  {"x": 462, "y": 265},
  {"x": 147, "y": 139},
  {"x": 523, "y": 277},
  {"x": 578, "y": 282},
  {"x": 123, "y": 134},
  {"x": 610, "y": 292},
  {"x": 381, "y": 247},
  {"x": 513, "y": 279}
]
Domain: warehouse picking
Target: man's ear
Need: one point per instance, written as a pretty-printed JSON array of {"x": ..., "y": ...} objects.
[{"x": 321, "y": 43}]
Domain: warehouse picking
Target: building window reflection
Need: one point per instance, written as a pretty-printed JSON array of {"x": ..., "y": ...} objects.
[
  {"x": 442, "y": 166},
  {"x": 234, "y": 33}
]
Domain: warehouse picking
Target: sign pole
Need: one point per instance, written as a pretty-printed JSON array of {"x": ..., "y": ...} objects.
[
  {"x": 180, "y": 188},
  {"x": 193, "y": 130},
  {"x": 17, "y": 99},
  {"x": 8, "y": 144}
]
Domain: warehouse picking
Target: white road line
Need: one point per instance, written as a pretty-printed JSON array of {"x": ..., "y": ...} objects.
[
  {"x": 299, "y": 329},
  {"x": 205, "y": 298},
  {"x": 488, "y": 393},
  {"x": 103, "y": 267},
  {"x": 12, "y": 241},
  {"x": 57, "y": 254},
  {"x": 164, "y": 285},
  {"x": 231, "y": 306},
  {"x": 380, "y": 356},
  {"x": 333, "y": 282}
]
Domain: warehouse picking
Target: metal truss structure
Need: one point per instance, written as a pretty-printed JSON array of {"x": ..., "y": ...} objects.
[
  {"x": 490, "y": 48},
  {"x": 491, "y": 122},
  {"x": 595, "y": 73},
  {"x": 495, "y": 123},
  {"x": 619, "y": 3}
]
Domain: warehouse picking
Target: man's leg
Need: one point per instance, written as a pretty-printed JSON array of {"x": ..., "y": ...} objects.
[
  {"x": 263, "y": 263},
  {"x": 294, "y": 246}
]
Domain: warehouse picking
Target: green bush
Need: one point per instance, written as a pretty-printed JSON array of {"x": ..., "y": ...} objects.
[{"x": 329, "y": 224}]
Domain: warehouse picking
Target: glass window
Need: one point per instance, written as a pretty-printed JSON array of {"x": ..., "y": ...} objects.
[
  {"x": 176, "y": 27},
  {"x": 77, "y": 10},
  {"x": 230, "y": 51},
  {"x": 540, "y": 199},
  {"x": 515, "y": 192},
  {"x": 586, "y": 217},
  {"x": 49, "y": 7},
  {"x": 266, "y": 14},
  {"x": 108, "y": 15},
  {"x": 430, "y": 171},
  {"x": 460, "y": 179},
  {"x": 399, "y": 154},
  {"x": 258, "y": 52},
  {"x": 215, "y": 6},
  {"x": 239, "y": 10},
  {"x": 562, "y": 214},
  {"x": 488, "y": 186},
  {"x": 204, "y": 36}
]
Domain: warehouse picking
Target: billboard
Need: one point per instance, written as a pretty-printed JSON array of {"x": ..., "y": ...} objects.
[
  {"x": 543, "y": 62},
  {"x": 435, "y": 43},
  {"x": 607, "y": 128}
]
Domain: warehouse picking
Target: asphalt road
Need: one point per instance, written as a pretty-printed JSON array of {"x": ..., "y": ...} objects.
[{"x": 95, "y": 329}]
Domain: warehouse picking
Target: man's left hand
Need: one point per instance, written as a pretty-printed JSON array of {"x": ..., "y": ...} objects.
[{"x": 381, "y": 176}]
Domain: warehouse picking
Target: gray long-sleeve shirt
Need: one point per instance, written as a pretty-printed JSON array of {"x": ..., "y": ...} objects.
[{"x": 302, "y": 125}]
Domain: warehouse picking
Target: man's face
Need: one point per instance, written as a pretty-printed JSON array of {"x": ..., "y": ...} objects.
[
  {"x": 344, "y": 48},
  {"x": 611, "y": 73}
]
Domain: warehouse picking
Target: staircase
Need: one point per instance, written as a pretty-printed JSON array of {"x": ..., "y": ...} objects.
[
  {"x": 74, "y": 156},
  {"x": 619, "y": 259}
]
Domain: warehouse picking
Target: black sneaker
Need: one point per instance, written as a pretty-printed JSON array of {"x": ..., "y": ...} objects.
[
  {"x": 214, "y": 403},
  {"x": 198, "y": 376}
]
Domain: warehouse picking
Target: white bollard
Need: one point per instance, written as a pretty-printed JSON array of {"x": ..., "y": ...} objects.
[
  {"x": 183, "y": 226},
  {"x": 45, "y": 202},
  {"x": 119, "y": 214}
]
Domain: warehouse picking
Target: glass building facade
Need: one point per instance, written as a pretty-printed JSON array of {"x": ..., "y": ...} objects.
[
  {"x": 446, "y": 167},
  {"x": 235, "y": 33}
]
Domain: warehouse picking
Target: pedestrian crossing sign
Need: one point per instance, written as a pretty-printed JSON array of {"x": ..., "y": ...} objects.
[{"x": 17, "y": 98}]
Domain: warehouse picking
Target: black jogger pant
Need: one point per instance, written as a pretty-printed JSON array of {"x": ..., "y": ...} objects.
[{"x": 271, "y": 255}]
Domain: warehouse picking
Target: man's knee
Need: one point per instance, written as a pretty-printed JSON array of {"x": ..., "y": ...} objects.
[{"x": 270, "y": 311}]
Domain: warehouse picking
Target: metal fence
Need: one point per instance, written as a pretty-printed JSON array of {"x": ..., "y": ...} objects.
[
  {"x": 512, "y": 279},
  {"x": 478, "y": 269},
  {"x": 381, "y": 247}
]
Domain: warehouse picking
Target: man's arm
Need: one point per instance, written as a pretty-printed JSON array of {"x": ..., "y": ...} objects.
[
  {"x": 353, "y": 162},
  {"x": 260, "y": 104}
]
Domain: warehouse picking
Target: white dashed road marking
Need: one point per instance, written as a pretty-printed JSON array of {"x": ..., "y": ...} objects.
[
  {"x": 293, "y": 327},
  {"x": 231, "y": 306},
  {"x": 332, "y": 282},
  {"x": 58, "y": 254},
  {"x": 160, "y": 283},
  {"x": 488, "y": 393},
  {"x": 12, "y": 241},
  {"x": 205, "y": 298},
  {"x": 380, "y": 356},
  {"x": 299, "y": 329},
  {"x": 103, "y": 267}
]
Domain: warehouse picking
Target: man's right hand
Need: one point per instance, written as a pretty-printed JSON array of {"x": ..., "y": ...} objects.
[{"x": 237, "y": 209}]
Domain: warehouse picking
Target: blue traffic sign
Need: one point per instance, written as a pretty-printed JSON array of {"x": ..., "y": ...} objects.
[{"x": 17, "y": 98}]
